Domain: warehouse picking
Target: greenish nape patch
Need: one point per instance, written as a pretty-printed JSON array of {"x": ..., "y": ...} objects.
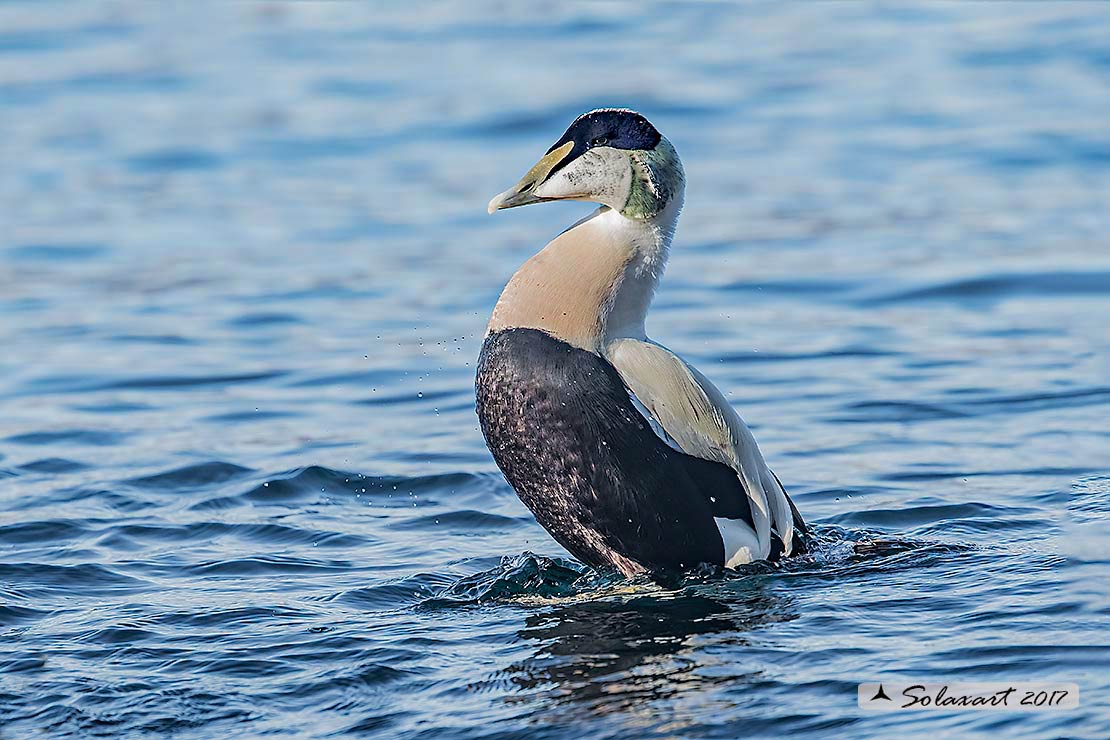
[{"x": 656, "y": 177}]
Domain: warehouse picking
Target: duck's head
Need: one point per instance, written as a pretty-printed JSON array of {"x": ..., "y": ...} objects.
[{"x": 610, "y": 156}]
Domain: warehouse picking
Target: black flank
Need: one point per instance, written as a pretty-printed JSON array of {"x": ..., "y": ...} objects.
[{"x": 564, "y": 431}]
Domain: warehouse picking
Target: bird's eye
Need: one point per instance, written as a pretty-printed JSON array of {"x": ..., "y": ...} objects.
[{"x": 600, "y": 141}]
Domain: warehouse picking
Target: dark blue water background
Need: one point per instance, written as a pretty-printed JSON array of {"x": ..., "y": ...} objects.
[{"x": 245, "y": 268}]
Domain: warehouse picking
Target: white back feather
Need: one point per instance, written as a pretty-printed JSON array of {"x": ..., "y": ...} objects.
[{"x": 697, "y": 417}]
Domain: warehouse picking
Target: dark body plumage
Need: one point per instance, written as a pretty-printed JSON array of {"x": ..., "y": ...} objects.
[{"x": 564, "y": 431}]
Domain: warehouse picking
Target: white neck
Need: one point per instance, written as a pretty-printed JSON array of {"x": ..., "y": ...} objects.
[
  {"x": 650, "y": 241},
  {"x": 592, "y": 283}
]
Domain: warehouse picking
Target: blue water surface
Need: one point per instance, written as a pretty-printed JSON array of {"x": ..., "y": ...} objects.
[{"x": 245, "y": 269}]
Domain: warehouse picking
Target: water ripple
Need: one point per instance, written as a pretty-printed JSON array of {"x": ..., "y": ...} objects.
[
  {"x": 992, "y": 288},
  {"x": 199, "y": 475}
]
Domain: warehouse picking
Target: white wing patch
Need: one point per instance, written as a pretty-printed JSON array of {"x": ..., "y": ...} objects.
[
  {"x": 696, "y": 416},
  {"x": 741, "y": 542},
  {"x": 656, "y": 427}
]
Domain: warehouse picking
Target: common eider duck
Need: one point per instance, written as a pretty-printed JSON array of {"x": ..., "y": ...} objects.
[{"x": 625, "y": 453}]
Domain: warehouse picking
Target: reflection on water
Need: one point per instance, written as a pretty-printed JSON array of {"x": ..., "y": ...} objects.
[{"x": 624, "y": 655}]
